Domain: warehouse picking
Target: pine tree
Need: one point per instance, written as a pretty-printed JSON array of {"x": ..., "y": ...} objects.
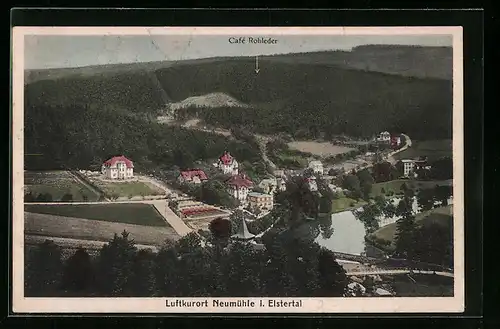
[
  {"x": 405, "y": 233},
  {"x": 115, "y": 265},
  {"x": 43, "y": 267},
  {"x": 78, "y": 275}
]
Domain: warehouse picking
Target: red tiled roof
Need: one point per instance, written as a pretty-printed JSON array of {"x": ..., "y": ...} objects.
[
  {"x": 200, "y": 211},
  {"x": 112, "y": 162},
  {"x": 189, "y": 174},
  {"x": 240, "y": 181},
  {"x": 226, "y": 158}
]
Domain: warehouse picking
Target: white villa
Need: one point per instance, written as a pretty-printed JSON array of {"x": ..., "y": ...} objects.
[
  {"x": 384, "y": 137},
  {"x": 316, "y": 166},
  {"x": 228, "y": 164},
  {"x": 118, "y": 167},
  {"x": 239, "y": 186},
  {"x": 268, "y": 185}
]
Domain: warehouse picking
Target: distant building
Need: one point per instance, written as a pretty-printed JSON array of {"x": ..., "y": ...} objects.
[
  {"x": 242, "y": 233},
  {"x": 118, "y": 167},
  {"x": 228, "y": 164},
  {"x": 268, "y": 185},
  {"x": 407, "y": 166},
  {"x": 260, "y": 201},
  {"x": 316, "y": 166},
  {"x": 195, "y": 176},
  {"x": 335, "y": 188},
  {"x": 281, "y": 184},
  {"x": 279, "y": 173},
  {"x": 239, "y": 186},
  {"x": 384, "y": 137},
  {"x": 395, "y": 141},
  {"x": 313, "y": 186}
]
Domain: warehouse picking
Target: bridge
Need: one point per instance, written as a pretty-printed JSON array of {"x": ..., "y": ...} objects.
[{"x": 396, "y": 271}]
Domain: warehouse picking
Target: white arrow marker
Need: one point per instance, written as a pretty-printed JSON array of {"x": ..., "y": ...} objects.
[{"x": 257, "y": 64}]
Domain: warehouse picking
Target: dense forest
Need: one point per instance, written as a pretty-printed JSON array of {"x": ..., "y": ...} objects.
[
  {"x": 83, "y": 137},
  {"x": 302, "y": 98}
]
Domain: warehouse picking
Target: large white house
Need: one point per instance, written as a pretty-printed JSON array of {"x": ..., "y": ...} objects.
[
  {"x": 118, "y": 167},
  {"x": 408, "y": 166},
  {"x": 384, "y": 137},
  {"x": 228, "y": 164},
  {"x": 239, "y": 186}
]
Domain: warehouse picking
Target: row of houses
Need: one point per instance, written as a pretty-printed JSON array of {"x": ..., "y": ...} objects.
[{"x": 238, "y": 185}]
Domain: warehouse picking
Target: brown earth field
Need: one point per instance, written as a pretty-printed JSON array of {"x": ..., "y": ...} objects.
[{"x": 85, "y": 229}]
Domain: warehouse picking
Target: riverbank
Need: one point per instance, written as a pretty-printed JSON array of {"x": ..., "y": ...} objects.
[{"x": 384, "y": 238}]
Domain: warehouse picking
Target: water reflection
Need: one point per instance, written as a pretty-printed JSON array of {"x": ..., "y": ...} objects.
[
  {"x": 343, "y": 232},
  {"x": 348, "y": 234}
]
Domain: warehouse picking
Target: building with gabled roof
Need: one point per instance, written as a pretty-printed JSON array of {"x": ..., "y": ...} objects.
[
  {"x": 242, "y": 233},
  {"x": 228, "y": 164},
  {"x": 195, "y": 176},
  {"x": 316, "y": 166},
  {"x": 239, "y": 186},
  {"x": 118, "y": 167}
]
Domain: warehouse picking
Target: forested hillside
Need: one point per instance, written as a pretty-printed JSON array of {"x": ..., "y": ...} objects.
[
  {"x": 135, "y": 90},
  {"x": 82, "y": 137},
  {"x": 307, "y": 98},
  {"x": 86, "y": 115}
]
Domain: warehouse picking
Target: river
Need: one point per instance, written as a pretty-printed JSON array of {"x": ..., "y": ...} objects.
[{"x": 349, "y": 233}]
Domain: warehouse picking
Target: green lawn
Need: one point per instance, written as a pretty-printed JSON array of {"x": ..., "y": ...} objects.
[
  {"x": 128, "y": 189},
  {"x": 440, "y": 215},
  {"x": 433, "y": 149},
  {"x": 57, "y": 183},
  {"x": 345, "y": 203},
  {"x": 140, "y": 214},
  {"x": 394, "y": 186}
]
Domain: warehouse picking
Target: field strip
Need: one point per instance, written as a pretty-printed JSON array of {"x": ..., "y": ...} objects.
[
  {"x": 72, "y": 243},
  {"x": 87, "y": 229}
]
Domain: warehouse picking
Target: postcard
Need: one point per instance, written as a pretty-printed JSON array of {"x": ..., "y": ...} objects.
[{"x": 238, "y": 170}]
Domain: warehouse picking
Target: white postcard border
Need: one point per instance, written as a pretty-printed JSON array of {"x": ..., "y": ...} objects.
[{"x": 22, "y": 304}]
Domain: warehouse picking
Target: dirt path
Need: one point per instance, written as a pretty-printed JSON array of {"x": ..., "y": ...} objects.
[
  {"x": 171, "y": 218},
  {"x": 262, "y": 141}
]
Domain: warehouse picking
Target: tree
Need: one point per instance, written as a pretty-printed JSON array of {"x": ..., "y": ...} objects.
[
  {"x": 114, "y": 265},
  {"x": 425, "y": 199},
  {"x": 405, "y": 232},
  {"x": 435, "y": 243},
  {"x": 43, "y": 267},
  {"x": 220, "y": 228},
  {"x": 351, "y": 183},
  {"x": 142, "y": 280},
  {"x": 325, "y": 204},
  {"x": 332, "y": 279},
  {"x": 383, "y": 172},
  {"x": 442, "y": 169},
  {"x": 78, "y": 275},
  {"x": 44, "y": 197},
  {"x": 369, "y": 216},
  {"x": 68, "y": 197},
  {"x": 442, "y": 193},
  {"x": 29, "y": 197}
]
